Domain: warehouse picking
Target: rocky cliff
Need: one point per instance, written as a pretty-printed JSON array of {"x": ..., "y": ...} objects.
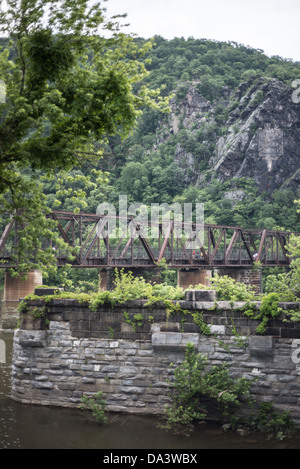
[{"x": 253, "y": 132}]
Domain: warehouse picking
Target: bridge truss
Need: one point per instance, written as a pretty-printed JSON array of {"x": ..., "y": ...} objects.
[{"x": 100, "y": 241}]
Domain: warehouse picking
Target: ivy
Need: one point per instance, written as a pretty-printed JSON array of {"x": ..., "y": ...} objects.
[
  {"x": 136, "y": 321},
  {"x": 268, "y": 309},
  {"x": 204, "y": 327}
]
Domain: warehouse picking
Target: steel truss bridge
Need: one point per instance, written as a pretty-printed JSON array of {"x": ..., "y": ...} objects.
[{"x": 90, "y": 237}]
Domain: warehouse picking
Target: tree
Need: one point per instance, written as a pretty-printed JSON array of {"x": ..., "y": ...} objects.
[
  {"x": 67, "y": 89},
  {"x": 287, "y": 285}
]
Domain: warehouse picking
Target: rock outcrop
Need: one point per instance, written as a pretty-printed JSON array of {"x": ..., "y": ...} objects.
[
  {"x": 263, "y": 141},
  {"x": 259, "y": 137}
]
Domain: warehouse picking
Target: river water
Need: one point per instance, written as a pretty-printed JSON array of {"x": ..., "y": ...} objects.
[{"x": 38, "y": 427}]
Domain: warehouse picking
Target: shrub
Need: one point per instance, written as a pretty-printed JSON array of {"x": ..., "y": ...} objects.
[
  {"x": 194, "y": 386},
  {"x": 229, "y": 289},
  {"x": 269, "y": 309},
  {"x": 271, "y": 422},
  {"x": 95, "y": 404},
  {"x": 280, "y": 284}
]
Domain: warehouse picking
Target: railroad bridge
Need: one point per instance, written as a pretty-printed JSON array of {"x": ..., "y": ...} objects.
[{"x": 196, "y": 251}]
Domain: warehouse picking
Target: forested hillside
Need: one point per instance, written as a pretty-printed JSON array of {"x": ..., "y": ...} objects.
[{"x": 231, "y": 139}]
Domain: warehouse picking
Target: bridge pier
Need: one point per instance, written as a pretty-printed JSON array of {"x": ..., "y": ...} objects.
[
  {"x": 14, "y": 289},
  {"x": 185, "y": 278},
  {"x": 105, "y": 279},
  {"x": 247, "y": 275}
]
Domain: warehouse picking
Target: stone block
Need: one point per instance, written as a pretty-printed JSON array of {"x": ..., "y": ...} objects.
[
  {"x": 159, "y": 338},
  {"x": 200, "y": 295},
  {"x": 43, "y": 291},
  {"x": 32, "y": 338},
  {"x": 42, "y": 385},
  {"x": 204, "y": 305},
  {"x": 290, "y": 333},
  {"x": 261, "y": 347},
  {"x": 192, "y": 338},
  {"x": 218, "y": 330}
]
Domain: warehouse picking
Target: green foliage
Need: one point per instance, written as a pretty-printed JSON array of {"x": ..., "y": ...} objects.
[
  {"x": 128, "y": 287},
  {"x": 280, "y": 284},
  {"x": 228, "y": 289},
  {"x": 23, "y": 307},
  {"x": 195, "y": 385},
  {"x": 269, "y": 305},
  {"x": 38, "y": 313},
  {"x": 197, "y": 389},
  {"x": 269, "y": 309},
  {"x": 287, "y": 285},
  {"x": 272, "y": 423},
  {"x": 67, "y": 90},
  {"x": 218, "y": 64},
  {"x": 167, "y": 276},
  {"x": 96, "y": 405},
  {"x": 294, "y": 252},
  {"x": 136, "y": 321},
  {"x": 198, "y": 319},
  {"x": 100, "y": 299}
]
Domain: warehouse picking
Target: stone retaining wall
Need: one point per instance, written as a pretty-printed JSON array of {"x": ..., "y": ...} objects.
[{"x": 74, "y": 352}]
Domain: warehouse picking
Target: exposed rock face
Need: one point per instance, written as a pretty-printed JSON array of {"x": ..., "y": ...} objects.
[
  {"x": 264, "y": 138},
  {"x": 260, "y": 140}
]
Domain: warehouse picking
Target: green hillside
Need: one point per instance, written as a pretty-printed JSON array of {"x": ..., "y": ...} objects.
[{"x": 144, "y": 166}]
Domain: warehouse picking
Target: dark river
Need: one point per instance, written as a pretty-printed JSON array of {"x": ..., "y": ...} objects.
[{"x": 37, "y": 427}]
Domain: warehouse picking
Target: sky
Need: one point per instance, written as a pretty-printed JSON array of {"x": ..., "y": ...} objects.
[{"x": 270, "y": 25}]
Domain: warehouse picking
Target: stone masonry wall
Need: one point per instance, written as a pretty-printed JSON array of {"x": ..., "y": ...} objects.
[
  {"x": 251, "y": 277},
  {"x": 75, "y": 352}
]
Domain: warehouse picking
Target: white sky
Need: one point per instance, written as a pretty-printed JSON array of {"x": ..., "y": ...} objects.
[{"x": 270, "y": 25}]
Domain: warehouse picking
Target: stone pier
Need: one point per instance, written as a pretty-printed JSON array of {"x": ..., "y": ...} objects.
[
  {"x": 14, "y": 289},
  {"x": 193, "y": 277},
  {"x": 247, "y": 275},
  {"x": 69, "y": 351}
]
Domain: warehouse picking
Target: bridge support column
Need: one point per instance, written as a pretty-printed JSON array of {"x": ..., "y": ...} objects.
[
  {"x": 186, "y": 278},
  {"x": 106, "y": 279},
  {"x": 247, "y": 275},
  {"x": 14, "y": 289}
]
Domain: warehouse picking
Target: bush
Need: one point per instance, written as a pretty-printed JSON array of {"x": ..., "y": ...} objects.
[
  {"x": 95, "y": 404},
  {"x": 194, "y": 386},
  {"x": 127, "y": 287},
  {"x": 269, "y": 309},
  {"x": 280, "y": 284},
  {"x": 273, "y": 423},
  {"x": 229, "y": 289}
]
